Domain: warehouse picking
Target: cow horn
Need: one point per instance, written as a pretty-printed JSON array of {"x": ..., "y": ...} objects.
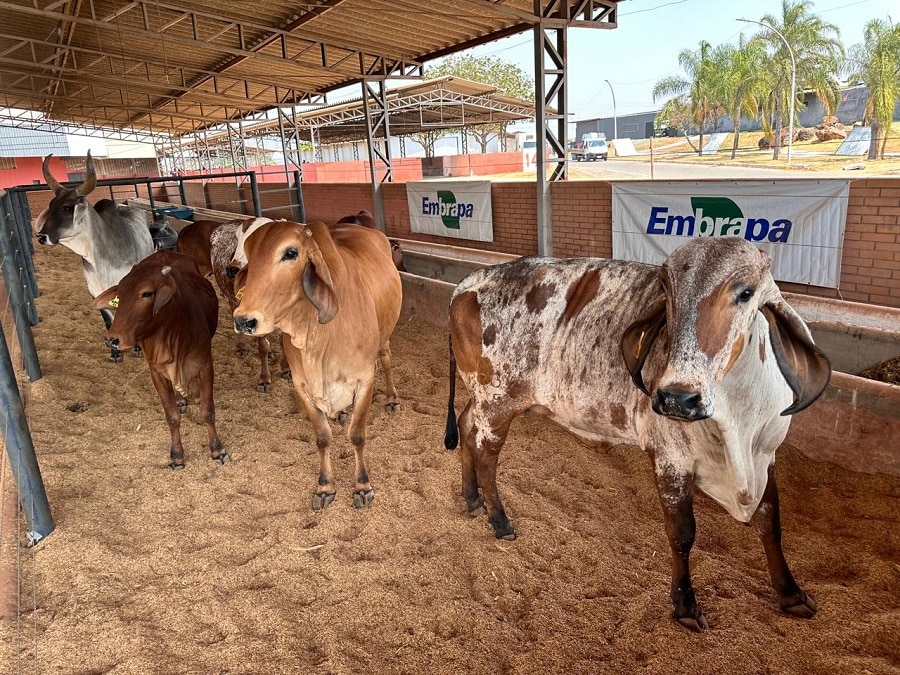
[
  {"x": 52, "y": 183},
  {"x": 90, "y": 181}
]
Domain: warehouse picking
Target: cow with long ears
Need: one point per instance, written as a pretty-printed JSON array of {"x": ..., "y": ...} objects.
[
  {"x": 700, "y": 362},
  {"x": 168, "y": 308},
  {"x": 335, "y": 294},
  {"x": 109, "y": 239}
]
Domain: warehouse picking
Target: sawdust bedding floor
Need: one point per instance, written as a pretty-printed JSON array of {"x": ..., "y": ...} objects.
[{"x": 226, "y": 569}]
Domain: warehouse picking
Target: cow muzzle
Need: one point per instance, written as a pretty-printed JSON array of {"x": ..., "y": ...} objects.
[
  {"x": 681, "y": 404},
  {"x": 245, "y": 324},
  {"x": 232, "y": 271},
  {"x": 44, "y": 239}
]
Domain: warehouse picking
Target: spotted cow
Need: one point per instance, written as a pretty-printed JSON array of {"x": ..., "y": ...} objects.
[{"x": 700, "y": 362}]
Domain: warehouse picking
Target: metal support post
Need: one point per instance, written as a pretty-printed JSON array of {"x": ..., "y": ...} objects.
[
  {"x": 378, "y": 141},
  {"x": 301, "y": 207},
  {"x": 550, "y": 44}
]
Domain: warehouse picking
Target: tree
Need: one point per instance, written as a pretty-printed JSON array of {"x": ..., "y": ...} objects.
[
  {"x": 818, "y": 53},
  {"x": 738, "y": 81},
  {"x": 677, "y": 113},
  {"x": 696, "y": 84},
  {"x": 510, "y": 80},
  {"x": 876, "y": 63}
]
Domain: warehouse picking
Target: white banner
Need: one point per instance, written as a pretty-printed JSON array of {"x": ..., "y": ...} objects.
[
  {"x": 458, "y": 209},
  {"x": 799, "y": 223}
]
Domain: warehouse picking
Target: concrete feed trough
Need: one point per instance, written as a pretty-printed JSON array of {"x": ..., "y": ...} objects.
[{"x": 856, "y": 422}]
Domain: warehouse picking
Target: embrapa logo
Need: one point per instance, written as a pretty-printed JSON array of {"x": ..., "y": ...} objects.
[
  {"x": 447, "y": 208},
  {"x": 717, "y": 217}
]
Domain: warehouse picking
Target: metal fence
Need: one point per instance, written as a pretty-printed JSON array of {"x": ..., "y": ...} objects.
[{"x": 21, "y": 285}]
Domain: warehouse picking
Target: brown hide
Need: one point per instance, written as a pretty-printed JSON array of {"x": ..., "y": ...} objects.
[{"x": 193, "y": 240}]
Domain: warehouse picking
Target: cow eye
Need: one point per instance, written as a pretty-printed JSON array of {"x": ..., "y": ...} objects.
[
  {"x": 290, "y": 254},
  {"x": 147, "y": 294},
  {"x": 68, "y": 208},
  {"x": 745, "y": 295}
]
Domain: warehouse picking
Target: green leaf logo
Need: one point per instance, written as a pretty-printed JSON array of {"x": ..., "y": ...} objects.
[{"x": 449, "y": 213}]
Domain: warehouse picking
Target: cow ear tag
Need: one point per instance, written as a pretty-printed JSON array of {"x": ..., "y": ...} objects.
[
  {"x": 240, "y": 293},
  {"x": 114, "y": 302},
  {"x": 307, "y": 232}
]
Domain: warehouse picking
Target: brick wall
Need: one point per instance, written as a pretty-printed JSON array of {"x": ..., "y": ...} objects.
[{"x": 582, "y": 218}]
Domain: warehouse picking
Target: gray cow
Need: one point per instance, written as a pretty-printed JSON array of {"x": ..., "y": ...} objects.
[{"x": 109, "y": 239}]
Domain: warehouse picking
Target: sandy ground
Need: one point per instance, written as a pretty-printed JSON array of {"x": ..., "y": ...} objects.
[{"x": 225, "y": 569}]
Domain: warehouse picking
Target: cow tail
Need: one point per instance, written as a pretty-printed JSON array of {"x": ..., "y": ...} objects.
[{"x": 451, "y": 436}]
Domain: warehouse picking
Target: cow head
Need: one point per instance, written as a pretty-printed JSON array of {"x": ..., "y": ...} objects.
[
  {"x": 362, "y": 217},
  {"x": 136, "y": 300},
  {"x": 64, "y": 218},
  {"x": 284, "y": 267},
  {"x": 242, "y": 233},
  {"x": 711, "y": 291}
]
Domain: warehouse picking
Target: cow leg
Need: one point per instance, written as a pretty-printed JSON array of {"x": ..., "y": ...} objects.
[
  {"x": 208, "y": 410},
  {"x": 384, "y": 357},
  {"x": 285, "y": 366},
  {"x": 324, "y": 494},
  {"x": 114, "y": 354},
  {"x": 265, "y": 377},
  {"x": 767, "y": 521},
  {"x": 173, "y": 418},
  {"x": 484, "y": 447},
  {"x": 676, "y": 496},
  {"x": 363, "y": 494},
  {"x": 474, "y": 502}
]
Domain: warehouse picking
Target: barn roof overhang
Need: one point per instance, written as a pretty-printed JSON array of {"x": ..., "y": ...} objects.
[
  {"x": 180, "y": 66},
  {"x": 431, "y": 105}
]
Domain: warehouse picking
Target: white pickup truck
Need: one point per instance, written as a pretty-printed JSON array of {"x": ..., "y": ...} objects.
[{"x": 591, "y": 148}]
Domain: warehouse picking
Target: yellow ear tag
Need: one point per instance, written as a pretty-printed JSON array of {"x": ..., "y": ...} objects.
[
  {"x": 240, "y": 293},
  {"x": 640, "y": 343},
  {"x": 114, "y": 302}
]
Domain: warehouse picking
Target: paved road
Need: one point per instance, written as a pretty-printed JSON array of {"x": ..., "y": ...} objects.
[{"x": 640, "y": 170}]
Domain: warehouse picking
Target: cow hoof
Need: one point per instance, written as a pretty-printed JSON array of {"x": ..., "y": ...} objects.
[
  {"x": 182, "y": 405},
  {"x": 116, "y": 357},
  {"x": 176, "y": 466},
  {"x": 475, "y": 507},
  {"x": 363, "y": 498},
  {"x": 223, "y": 459},
  {"x": 342, "y": 417},
  {"x": 137, "y": 352},
  {"x": 504, "y": 532},
  {"x": 264, "y": 387},
  {"x": 392, "y": 407},
  {"x": 801, "y": 606},
  {"x": 322, "y": 500},
  {"x": 697, "y": 624},
  {"x": 285, "y": 375}
]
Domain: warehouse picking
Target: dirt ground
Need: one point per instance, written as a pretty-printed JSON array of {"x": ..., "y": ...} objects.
[{"x": 226, "y": 569}]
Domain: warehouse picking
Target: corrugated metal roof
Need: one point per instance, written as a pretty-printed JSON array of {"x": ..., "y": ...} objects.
[{"x": 182, "y": 65}]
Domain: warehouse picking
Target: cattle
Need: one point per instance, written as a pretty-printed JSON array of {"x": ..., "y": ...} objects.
[
  {"x": 700, "y": 362},
  {"x": 221, "y": 247},
  {"x": 168, "y": 308},
  {"x": 364, "y": 218},
  {"x": 109, "y": 239},
  {"x": 335, "y": 294},
  {"x": 194, "y": 240}
]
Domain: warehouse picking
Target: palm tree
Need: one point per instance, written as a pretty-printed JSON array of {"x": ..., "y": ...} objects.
[
  {"x": 876, "y": 63},
  {"x": 817, "y": 52},
  {"x": 738, "y": 74},
  {"x": 695, "y": 83}
]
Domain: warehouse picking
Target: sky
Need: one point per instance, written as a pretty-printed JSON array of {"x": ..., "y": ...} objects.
[{"x": 645, "y": 46}]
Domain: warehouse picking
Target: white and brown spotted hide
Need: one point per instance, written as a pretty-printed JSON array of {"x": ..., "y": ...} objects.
[{"x": 699, "y": 362}]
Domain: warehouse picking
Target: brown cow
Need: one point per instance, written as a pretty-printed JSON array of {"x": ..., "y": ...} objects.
[
  {"x": 168, "y": 308},
  {"x": 364, "y": 218},
  {"x": 335, "y": 292},
  {"x": 725, "y": 359},
  {"x": 193, "y": 240}
]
